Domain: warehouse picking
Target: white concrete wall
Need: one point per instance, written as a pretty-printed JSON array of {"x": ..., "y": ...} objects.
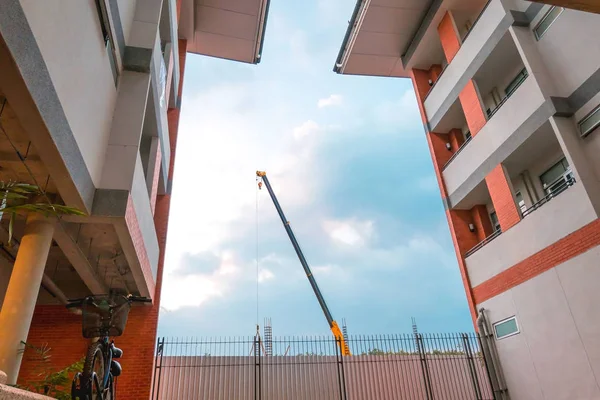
[
  {"x": 570, "y": 48},
  {"x": 501, "y": 84},
  {"x": 143, "y": 212},
  {"x": 562, "y": 215},
  {"x": 556, "y": 355},
  {"x": 127, "y": 11},
  {"x": 592, "y": 141},
  {"x": 70, "y": 40},
  {"x": 515, "y": 111},
  {"x": 458, "y": 72}
]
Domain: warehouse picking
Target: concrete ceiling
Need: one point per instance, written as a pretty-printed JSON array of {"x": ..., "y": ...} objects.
[
  {"x": 382, "y": 31},
  {"x": 77, "y": 246},
  {"x": 230, "y": 29}
]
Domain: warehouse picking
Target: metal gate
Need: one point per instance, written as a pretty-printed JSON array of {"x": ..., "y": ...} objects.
[{"x": 382, "y": 367}]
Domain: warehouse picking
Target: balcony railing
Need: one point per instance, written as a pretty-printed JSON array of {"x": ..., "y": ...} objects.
[
  {"x": 483, "y": 242},
  {"x": 462, "y": 146},
  {"x": 512, "y": 90},
  {"x": 553, "y": 190}
]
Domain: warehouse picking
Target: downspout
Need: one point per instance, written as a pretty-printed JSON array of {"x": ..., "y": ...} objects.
[{"x": 492, "y": 361}]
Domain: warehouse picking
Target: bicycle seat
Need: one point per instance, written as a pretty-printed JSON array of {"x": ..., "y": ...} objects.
[{"x": 117, "y": 352}]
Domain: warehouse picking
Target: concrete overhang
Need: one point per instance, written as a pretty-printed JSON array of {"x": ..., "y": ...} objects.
[
  {"x": 230, "y": 29},
  {"x": 390, "y": 37}
]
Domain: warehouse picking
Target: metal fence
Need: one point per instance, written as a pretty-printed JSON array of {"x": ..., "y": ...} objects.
[{"x": 383, "y": 367}]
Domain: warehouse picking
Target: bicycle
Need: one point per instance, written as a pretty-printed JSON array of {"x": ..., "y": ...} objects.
[{"x": 103, "y": 316}]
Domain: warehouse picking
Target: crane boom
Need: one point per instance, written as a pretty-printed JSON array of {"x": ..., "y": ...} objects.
[{"x": 335, "y": 329}]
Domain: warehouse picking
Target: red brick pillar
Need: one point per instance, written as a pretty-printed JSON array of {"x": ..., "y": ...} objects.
[
  {"x": 501, "y": 192},
  {"x": 449, "y": 36},
  {"x": 481, "y": 220},
  {"x": 456, "y": 139},
  {"x": 464, "y": 240}
]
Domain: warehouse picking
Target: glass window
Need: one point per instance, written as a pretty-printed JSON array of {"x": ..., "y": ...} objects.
[
  {"x": 495, "y": 222},
  {"x": 515, "y": 83},
  {"x": 505, "y": 328},
  {"x": 107, "y": 37},
  {"x": 590, "y": 123},
  {"x": 520, "y": 201},
  {"x": 555, "y": 176},
  {"x": 542, "y": 27}
]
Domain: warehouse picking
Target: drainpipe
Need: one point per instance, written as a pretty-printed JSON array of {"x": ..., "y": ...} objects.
[{"x": 491, "y": 357}]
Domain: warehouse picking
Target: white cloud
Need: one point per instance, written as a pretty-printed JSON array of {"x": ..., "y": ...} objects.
[
  {"x": 265, "y": 275},
  {"x": 333, "y": 100},
  {"x": 307, "y": 128},
  {"x": 350, "y": 232}
]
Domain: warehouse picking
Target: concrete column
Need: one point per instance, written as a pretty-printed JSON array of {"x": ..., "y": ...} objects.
[
  {"x": 23, "y": 288},
  {"x": 573, "y": 148}
]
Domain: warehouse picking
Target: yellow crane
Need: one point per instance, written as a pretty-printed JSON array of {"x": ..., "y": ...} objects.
[{"x": 335, "y": 328}]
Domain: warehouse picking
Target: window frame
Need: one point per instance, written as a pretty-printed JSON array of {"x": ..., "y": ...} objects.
[
  {"x": 108, "y": 38},
  {"x": 495, "y": 324},
  {"x": 495, "y": 225},
  {"x": 537, "y": 35},
  {"x": 594, "y": 112}
]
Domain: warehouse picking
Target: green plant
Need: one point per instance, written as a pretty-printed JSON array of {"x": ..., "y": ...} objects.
[
  {"x": 47, "y": 380},
  {"x": 20, "y": 198}
]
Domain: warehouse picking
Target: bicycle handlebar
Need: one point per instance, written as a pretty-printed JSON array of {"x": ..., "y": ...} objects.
[{"x": 131, "y": 299}]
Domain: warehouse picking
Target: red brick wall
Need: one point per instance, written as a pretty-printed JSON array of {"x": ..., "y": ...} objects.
[
  {"x": 449, "y": 36},
  {"x": 481, "y": 220},
  {"x": 456, "y": 138},
  {"x": 557, "y": 253},
  {"x": 463, "y": 241},
  {"x": 471, "y": 105},
  {"x": 60, "y": 328},
  {"x": 504, "y": 202}
]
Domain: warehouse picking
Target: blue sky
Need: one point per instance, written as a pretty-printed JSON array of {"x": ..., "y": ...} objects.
[{"x": 349, "y": 162}]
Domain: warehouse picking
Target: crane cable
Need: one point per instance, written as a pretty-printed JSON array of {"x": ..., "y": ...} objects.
[{"x": 257, "y": 262}]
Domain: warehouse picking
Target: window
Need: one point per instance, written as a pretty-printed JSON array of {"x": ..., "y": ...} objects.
[
  {"x": 515, "y": 83},
  {"x": 556, "y": 177},
  {"x": 542, "y": 27},
  {"x": 506, "y": 328},
  {"x": 590, "y": 122},
  {"x": 495, "y": 222},
  {"x": 107, "y": 37},
  {"x": 520, "y": 201}
]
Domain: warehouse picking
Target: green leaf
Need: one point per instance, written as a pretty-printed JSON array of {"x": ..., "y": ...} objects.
[{"x": 10, "y": 228}]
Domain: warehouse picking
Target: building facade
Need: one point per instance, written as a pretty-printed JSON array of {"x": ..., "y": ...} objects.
[
  {"x": 509, "y": 95},
  {"x": 90, "y": 99}
]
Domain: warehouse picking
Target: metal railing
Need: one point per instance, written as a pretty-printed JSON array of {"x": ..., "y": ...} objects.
[
  {"x": 382, "y": 367},
  {"x": 508, "y": 95},
  {"x": 462, "y": 146},
  {"x": 553, "y": 190},
  {"x": 485, "y": 241}
]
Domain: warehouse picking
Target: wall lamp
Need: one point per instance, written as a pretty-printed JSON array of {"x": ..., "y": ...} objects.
[
  {"x": 448, "y": 147},
  {"x": 471, "y": 227}
]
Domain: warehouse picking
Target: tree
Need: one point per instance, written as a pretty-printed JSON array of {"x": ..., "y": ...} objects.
[
  {"x": 47, "y": 381},
  {"x": 22, "y": 198}
]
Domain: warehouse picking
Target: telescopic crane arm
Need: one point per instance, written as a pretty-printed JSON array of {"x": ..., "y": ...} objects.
[{"x": 335, "y": 329}]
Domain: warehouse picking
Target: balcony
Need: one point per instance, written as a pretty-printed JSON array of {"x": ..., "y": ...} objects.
[
  {"x": 515, "y": 106},
  {"x": 544, "y": 189},
  {"x": 478, "y": 43}
]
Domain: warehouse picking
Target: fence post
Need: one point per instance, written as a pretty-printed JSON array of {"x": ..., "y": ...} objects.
[
  {"x": 424, "y": 366},
  {"x": 472, "y": 369},
  {"x": 257, "y": 375},
  {"x": 340, "y": 369},
  {"x": 158, "y": 366}
]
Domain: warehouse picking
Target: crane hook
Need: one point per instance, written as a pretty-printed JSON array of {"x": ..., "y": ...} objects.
[{"x": 260, "y": 185}]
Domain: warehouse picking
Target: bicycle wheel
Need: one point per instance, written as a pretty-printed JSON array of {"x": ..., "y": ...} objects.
[
  {"x": 93, "y": 371},
  {"x": 110, "y": 388}
]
